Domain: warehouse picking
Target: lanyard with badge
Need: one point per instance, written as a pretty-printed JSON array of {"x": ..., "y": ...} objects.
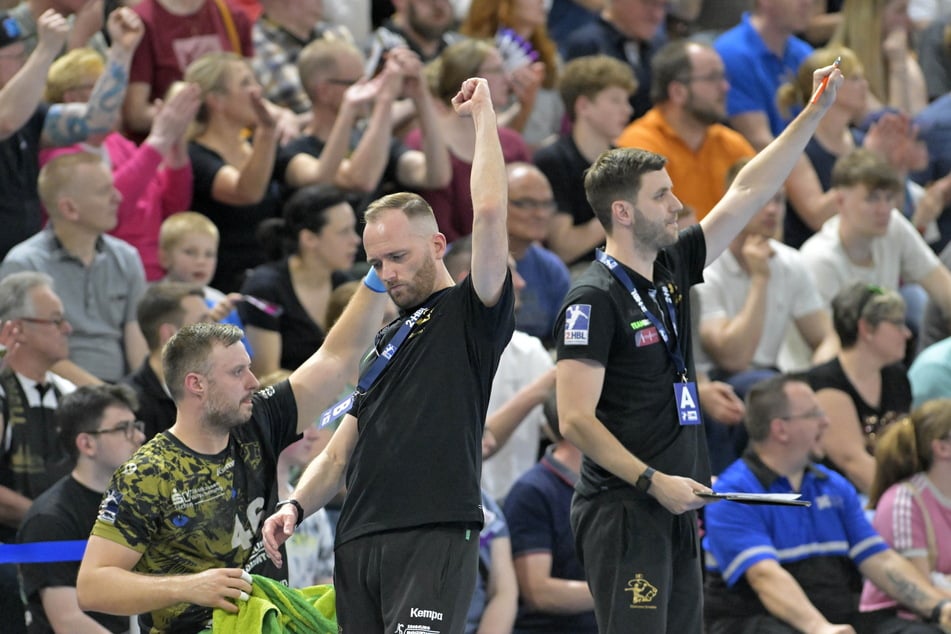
[
  {"x": 685, "y": 391},
  {"x": 369, "y": 376}
]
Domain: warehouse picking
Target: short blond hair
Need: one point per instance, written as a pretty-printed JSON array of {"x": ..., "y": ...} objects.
[
  {"x": 57, "y": 177},
  {"x": 71, "y": 71},
  {"x": 412, "y": 205},
  {"x": 185, "y": 223}
]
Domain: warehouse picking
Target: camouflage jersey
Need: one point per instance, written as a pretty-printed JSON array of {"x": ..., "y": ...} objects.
[{"x": 187, "y": 512}]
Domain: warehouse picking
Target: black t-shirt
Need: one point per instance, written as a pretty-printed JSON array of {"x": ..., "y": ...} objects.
[
  {"x": 564, "y": 166},
  {"x": 156, "y": 408},
  {"x": 895, "y": 399},
  {"x": 19, "y": 168},
  {"x": 300, "y": 335},
  {"x": 65, "y": 512},
  {"x": 418, "y": 457},
  {"x": 239, "y": 248},
  {"x": 309, "y": 144},
  {"x": 637, "y": 402}
]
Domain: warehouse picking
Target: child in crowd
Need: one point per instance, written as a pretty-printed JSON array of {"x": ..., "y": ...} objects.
[{"x": 188, "y": 251}]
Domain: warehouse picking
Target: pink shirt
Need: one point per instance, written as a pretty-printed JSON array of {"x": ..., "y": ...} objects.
[{"x": 898, "y": 518}]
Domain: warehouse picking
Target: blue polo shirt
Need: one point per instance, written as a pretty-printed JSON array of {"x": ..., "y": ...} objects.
[
  {"x": 820, "y": 546},
  {"x": 756, "y": 73}
]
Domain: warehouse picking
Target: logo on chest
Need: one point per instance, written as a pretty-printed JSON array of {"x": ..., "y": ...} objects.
[{"x": 646, "y": 337}]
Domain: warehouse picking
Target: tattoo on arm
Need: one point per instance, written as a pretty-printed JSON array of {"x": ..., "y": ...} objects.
[
  {"x": 71, "y": 123},
  {"x": 907, "y": 592}
]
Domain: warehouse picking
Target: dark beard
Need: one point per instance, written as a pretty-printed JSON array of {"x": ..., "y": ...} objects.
[
  {"x": 706, "y": 117},
  {"x": 428, "y": 32}
]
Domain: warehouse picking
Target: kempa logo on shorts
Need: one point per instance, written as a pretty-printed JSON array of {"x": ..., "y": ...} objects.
[
  {"x": 642, "y": 592},
  {"x": 432, "y": 615}
]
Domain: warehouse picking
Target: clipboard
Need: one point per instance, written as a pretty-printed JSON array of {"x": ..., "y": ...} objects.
[{"x": 779, "y": 499}]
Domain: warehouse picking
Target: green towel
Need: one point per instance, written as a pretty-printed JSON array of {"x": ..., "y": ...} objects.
[{"x": 273, "y": 608}]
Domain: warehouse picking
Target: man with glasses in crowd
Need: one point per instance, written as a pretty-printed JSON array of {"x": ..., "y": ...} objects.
[
  {"x": 689, "y": 93},
  {"x": 35, "y": 334},
  {"x": 98, "y": 428},
  {"x": 531, "y": 206},
  {"x": 777, "y": 569}
]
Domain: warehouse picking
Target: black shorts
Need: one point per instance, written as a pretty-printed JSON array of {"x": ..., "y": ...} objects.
[
  {"x": 642, "y": 564},
  {"x": 422, "y": 577}
]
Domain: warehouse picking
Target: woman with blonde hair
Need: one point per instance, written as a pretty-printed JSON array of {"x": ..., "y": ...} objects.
[
  {"x": 233, "y": 182},
  {"x": 878, "y": 32},
  {"x": 541, "y": 109},
  {"x": 809, "y": 187},
  {"x": 911, "y": 495},
  {"x": 865, "y": 387}
]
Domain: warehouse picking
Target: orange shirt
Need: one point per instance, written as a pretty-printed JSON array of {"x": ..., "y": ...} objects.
[{"x": 698, "y": 176}]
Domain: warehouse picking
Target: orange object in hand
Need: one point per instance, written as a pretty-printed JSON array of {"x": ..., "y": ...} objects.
[{"x": 825, "y": 81}]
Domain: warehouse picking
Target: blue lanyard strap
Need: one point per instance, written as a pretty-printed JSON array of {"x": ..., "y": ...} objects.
[
  {"x": 669, "y": 341},
  {"x": 371, "y": 373}
]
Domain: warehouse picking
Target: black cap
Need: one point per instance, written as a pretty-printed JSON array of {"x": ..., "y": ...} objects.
[{"x": 10, "y": 31}]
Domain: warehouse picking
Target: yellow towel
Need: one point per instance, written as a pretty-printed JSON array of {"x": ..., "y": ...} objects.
[{"x": 273, "y": 608}]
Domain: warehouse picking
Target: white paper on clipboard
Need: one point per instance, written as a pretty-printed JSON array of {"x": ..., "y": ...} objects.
[{"x": 781, "y": 499}]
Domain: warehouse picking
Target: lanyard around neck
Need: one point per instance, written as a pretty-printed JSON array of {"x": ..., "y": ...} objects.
[
  {"x": 369, "y": 376},
  {"x": 669, "y": 338}
]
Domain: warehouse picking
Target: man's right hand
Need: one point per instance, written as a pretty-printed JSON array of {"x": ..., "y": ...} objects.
[
  {"x": 677, "y": 494},
  {"x": 219, "y": 588},
  {"x": 277, "y": 529}
]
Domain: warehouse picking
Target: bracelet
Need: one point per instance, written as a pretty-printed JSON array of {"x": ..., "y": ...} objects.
[
  {"x": 936, "y": 611},
  {"x": 373, "y": 281},
  {"x": 297, "y": 506}
]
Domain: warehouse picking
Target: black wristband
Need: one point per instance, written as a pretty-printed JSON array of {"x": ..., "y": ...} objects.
[
  {"x": 936, "y": 611},
  {"x": 296, "y": 505}
]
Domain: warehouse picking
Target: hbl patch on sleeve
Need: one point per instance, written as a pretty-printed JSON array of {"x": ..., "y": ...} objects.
[{"x": 577, "y": 324}]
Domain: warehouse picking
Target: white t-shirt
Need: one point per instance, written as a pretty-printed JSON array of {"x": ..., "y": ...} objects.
[
  {"x": 790, "y": 294},
  {"x": 900, "y": 256},
  {"x": 522, "y": 361}
]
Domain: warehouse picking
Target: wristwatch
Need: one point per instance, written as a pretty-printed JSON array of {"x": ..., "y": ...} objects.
[
  {"x": 644, "y": 480},
  {"x": 936, "y": 612},
  {"x": 296, "y": 505}
]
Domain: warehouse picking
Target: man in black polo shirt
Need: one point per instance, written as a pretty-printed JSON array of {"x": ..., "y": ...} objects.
[
  {"x": 627, "y": 394},
  {"x": 407, "y": 539}
]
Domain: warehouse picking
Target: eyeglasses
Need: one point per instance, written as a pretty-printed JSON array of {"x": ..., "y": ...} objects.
[
  {"x": 715, "y": 78},
  {"x": 817, "y": 412},
  {"x": 531, "y": 203},
  {"x": 54, "y": 321},
  {"x": 897, "y": 321},
  {"x": 342, "y": 82},
  {"x": 129, "y": 428}
]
